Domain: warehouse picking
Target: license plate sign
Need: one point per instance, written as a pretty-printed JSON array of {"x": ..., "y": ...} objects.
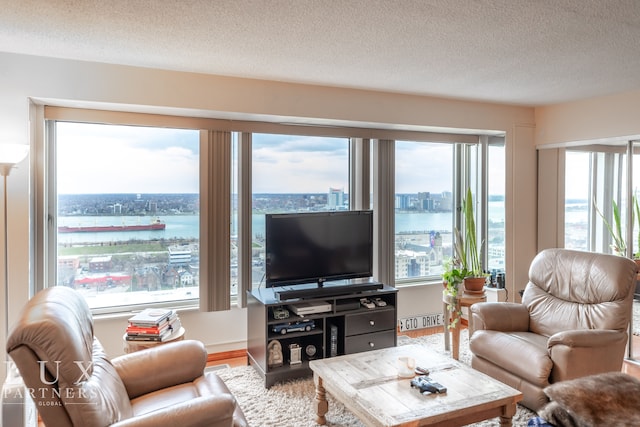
[{"x": 421, "y": 322}]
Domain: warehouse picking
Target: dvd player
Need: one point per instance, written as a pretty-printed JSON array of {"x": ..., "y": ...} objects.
[{"x": 327, "y": 291}]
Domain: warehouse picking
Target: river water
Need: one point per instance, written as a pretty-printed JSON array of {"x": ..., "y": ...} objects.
[{"x": 187, "y": 226}]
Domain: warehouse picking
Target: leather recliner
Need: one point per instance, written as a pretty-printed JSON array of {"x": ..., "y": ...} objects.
[
  {"x": 73, "y": 383},
  {"x": 572, "y": 322}
]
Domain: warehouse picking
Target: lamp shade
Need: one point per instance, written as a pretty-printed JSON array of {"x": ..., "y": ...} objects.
[{"x": 10, "y": 155}]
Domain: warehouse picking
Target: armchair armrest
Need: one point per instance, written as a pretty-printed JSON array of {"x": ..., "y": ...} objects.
[
  {"x": 213, "y": 411},
  {"x": 162, "y": 366},
  {"x": 587, "y": 338},
  {"x": 500, "y": 316},
  {"x": 578, "y": 353}
]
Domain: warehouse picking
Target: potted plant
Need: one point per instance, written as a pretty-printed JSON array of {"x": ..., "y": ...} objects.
[
  {"x": 619, "y": 245},
  {"x": 468, "y": 251},
  {"x": 452, "y": 277}
]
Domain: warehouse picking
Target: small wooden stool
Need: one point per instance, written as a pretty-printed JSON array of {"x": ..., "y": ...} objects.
[{"x": 450, "y": 316}]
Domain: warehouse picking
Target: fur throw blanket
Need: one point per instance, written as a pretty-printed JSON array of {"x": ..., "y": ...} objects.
[{"x": 611, "y": 399}]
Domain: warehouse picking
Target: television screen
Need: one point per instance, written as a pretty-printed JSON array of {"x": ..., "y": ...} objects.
[{"x": 316, "y": 247}]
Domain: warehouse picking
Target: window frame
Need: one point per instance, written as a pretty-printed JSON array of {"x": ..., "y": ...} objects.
[
  {"x": 470, "y": 170},
  {"x": 371, "y": 184},
  {"x": 215, "y": 164}
]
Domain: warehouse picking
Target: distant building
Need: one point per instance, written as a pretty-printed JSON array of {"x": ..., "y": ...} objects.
[
  {"x": 413, "y": 264},
  {"x": 186, "y": 278},
  {"x": 68, "y": 262},
  {"x": 335, "y": 198},
  {"x": 403, "y": 201},
  {"x": 427, "y": 204},
  {"x": 100, "y": 263},
  {"x": 446, "y": 202},
  {"x": 179, "y": 255}
]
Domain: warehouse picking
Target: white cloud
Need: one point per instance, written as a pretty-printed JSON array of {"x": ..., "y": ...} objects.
[{"x": 126, "y": 159}]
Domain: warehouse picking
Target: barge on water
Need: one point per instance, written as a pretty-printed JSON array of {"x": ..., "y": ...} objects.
[{"x": 155, "y": 225}]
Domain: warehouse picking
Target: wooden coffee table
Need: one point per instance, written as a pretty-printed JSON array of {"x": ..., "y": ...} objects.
[{"x": 367, "y": 384}]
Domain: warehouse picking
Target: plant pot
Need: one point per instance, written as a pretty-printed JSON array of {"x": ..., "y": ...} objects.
[{"x": 474, "y": 285}]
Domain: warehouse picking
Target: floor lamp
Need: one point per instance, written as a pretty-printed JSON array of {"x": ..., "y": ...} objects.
[
  {"x": 16, "y": 410},
  {"x": 10, "y": 155}
]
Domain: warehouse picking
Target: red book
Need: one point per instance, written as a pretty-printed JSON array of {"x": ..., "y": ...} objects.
[{"x": 137, "y": 330}]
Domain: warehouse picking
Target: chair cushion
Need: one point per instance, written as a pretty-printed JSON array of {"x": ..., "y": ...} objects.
[
  {"x": 579, "y": 290},
  {"x": 524, "y": 354},
  {"x": 610, "y": 399},
  {"x": 57, "y": 327},
  {"x": 100, "y": 399},
  {"x": 221, "y": 407}
]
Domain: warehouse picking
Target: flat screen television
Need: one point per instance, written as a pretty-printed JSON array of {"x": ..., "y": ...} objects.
[{"x": 318, "y": 247}]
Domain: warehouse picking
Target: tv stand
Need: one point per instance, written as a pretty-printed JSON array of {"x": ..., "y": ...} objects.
[
  {"x": 342, "y": 326},
  {"x": 326, "y": 291}
]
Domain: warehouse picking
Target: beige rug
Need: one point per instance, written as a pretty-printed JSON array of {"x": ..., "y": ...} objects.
[{"x": 290, "y": 404}]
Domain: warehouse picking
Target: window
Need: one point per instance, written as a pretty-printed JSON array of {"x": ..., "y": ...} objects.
[
  {"x": 430, "y": 181},
  {"x": 577, "y": 205},
  {"x": 495, "y": 206},
  {"x": 595, "y": 179},
  {"x": 424, "y": 208},
  {"x": 160, "y": 210},
  {"x": 295, "y": 174},
  {"x": 128, "y": 216}
]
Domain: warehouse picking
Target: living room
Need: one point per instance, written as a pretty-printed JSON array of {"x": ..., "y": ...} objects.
[{"x": 32, "y": 79}]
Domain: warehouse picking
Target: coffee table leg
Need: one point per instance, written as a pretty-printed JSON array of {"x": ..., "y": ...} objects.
[
  {"x": 509, "y": 412},
  {"x": 321, "y": 404}
]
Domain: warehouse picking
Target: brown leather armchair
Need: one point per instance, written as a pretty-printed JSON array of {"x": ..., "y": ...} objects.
[
  {"x": 572, "y": 322},
  {"x": 75, "y": 384}
]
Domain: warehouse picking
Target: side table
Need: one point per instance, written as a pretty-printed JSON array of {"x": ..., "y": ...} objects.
[
  {"x": 450, "y": 316},
  {"x": 131, "y": 346}
]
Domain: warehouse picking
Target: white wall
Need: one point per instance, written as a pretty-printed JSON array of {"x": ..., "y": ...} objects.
[
  {"x": 23, "y": 78},
  {"x": 605, "y": 117}
]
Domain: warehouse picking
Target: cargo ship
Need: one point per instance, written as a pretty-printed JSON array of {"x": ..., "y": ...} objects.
[{"x": 154, "y": 225}]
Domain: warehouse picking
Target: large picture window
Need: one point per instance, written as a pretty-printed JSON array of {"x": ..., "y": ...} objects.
[
  {"x": 424, "y": 208},
  {"x": 162, "y": 210},
  {"x": 127, "y": 213}
]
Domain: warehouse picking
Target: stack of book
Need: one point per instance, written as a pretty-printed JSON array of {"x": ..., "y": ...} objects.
[{"x": 153, "y": 324}]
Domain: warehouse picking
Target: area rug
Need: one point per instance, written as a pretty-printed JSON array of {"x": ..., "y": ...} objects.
[{"x": 290, "y": 404}]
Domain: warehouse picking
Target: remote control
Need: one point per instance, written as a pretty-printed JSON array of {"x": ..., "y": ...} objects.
[{"x": 427, "y": 385}]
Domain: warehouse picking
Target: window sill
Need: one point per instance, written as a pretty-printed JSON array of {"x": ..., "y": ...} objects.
[{"x": 418, "y": 283}]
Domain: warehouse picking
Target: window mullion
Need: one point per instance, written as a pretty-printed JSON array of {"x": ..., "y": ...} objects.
[
  {"x": 359, "y": 171},
  {"x": 383, "y": 208},
  {"x": 245, "y": 229}
]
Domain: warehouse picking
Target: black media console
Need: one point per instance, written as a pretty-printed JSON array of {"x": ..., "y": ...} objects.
[{"x": 342, "y": 326}]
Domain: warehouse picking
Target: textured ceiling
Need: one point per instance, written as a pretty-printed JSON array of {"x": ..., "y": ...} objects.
[{"x": 525, "y": 52}]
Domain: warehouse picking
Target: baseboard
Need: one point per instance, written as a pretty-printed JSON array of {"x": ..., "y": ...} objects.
[{"x": 215, "y": 357}]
